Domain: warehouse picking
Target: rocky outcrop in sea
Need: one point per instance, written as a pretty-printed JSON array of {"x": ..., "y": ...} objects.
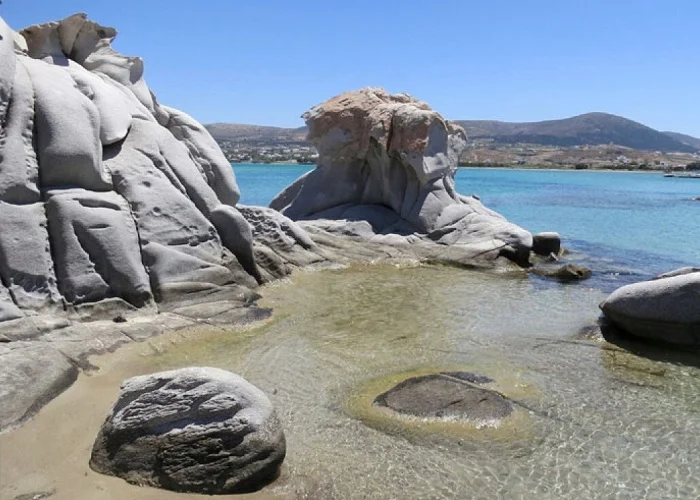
[{"x": 385, "y": 174}]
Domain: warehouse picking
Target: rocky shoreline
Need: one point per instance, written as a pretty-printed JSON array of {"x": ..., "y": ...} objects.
[{"x": 121, "y": 219}]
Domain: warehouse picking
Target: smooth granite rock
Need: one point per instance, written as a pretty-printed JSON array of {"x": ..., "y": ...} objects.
[
  {"x": 202, "y": 430},
  {"x": 389, "y": 160},
  {"x": 666, "y": 309}
]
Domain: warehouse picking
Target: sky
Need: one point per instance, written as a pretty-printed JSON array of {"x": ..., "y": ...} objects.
[{"x": 265, "y": 62}]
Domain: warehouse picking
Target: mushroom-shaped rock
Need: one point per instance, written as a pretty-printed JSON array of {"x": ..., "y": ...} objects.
[
  {"x": 202, "y": 430},
  {"x": 666, "y": 309},
  {"x": 390, "y": 160}
]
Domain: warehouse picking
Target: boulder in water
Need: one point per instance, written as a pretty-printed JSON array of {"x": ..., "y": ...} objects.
[
  {"x": 386, "y": 167},
  {"x": 448, "y": 395},
  {"x": 665, "y": 309}
]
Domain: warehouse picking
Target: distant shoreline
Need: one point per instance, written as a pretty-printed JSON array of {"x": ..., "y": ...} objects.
[{"x": 562, "y": 168}]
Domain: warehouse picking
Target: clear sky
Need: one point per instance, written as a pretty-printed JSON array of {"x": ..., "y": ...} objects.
[{"x": 266, "y": 62}]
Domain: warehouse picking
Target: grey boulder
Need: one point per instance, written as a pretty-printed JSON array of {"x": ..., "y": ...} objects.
[
  {"x": 665, "y": 309},
  {"x": 202, "y": 430}
]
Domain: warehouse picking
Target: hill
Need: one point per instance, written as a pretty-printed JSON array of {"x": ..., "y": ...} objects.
[
  {"x": 256, "y": 135},
  {"x": 587, "y": 129},
  {"x": 685, "y": 139}
]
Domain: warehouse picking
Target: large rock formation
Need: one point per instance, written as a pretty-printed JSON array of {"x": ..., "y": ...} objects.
[
  {"x": 104, "y": 192},
  {"x": 202, "y": 430},
  {"x": 665, "y": 309},
  {"x": 386, "y": 173}
]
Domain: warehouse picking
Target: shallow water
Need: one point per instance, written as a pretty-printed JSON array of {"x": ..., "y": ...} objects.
[
  {"x": 602, "y": 423},
  {"x": 625, "y": 226}
]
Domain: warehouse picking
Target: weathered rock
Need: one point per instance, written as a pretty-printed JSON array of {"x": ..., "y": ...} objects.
[
  {"x": 665, "y": 309},
  {"x": 25, "y": 256},
  {"x": 104, "y": 192},
  {"x": 567, "y": 272},
  {"x": 546, "y": 243},
  {"x": 200, "y": 430},
  {"x": 450, "y": 395},
  {"x": 32, "y": 374},
  {"x": 390, "y": 160},
  {"x": 96, "y": 247}
]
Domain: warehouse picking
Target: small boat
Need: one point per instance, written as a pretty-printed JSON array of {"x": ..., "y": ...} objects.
[{"x": 684, "y": 175}]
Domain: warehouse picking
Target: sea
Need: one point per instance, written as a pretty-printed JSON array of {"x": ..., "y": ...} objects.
[{"x": 625, "y": 226}]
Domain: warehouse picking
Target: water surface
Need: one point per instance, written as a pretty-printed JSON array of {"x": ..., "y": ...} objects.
[
  {"x": 603, "y": 423},
  {"x": 626, "y": 226}
]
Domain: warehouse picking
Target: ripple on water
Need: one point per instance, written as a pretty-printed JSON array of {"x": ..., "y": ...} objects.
[{"x": 601, "y": 423}]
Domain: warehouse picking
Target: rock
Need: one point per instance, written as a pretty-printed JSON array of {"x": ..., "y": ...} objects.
[
  {"x": 201, "y": 430},
  {"x": 96, "y": 247},
  {"x": 449, "y": 395},
  {"x": 666, "y": 309},
  {"x": 567, "y": 272},
  {"x": 389, "y": 160},
  {"x": 104, "y": 193},
  {"x": 546, "y": 243},
  {"x": 32, "y": 374}
]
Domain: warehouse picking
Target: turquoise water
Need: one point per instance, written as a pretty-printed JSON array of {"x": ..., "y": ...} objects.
[{"x": 625, "y": 226}]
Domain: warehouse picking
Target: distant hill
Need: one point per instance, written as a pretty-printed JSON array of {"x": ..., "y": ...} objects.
[
  {"x": 587, "y": 129},
  {"x": 591, "y": 128},
  {"x": 256, "y": 135},
  {"x": 685, "y": 139}
]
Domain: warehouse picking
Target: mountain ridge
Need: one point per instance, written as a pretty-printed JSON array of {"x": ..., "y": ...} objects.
[{"x": 596, "y": 128}]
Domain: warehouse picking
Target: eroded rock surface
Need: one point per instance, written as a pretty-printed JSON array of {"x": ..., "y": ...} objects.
[
  {"x": 386, "y": 173},
  {"x": 104, "y": 193},
  {"x": 201, "y": 430}
]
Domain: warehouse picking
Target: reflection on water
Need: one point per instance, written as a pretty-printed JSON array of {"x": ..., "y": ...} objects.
[{"x": 602, "y": 423}]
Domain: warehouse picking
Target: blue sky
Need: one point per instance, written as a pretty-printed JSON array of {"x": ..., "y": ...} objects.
[{"x": 266, "y": 62}]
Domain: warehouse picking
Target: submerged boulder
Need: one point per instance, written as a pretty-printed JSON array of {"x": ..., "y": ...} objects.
[
  {"x": 566, "y": 272},
  {"x": 386, "y": 167},
  {"x": 202, "y": 430},
  {"x": 447, "y": 395},
  {"x": 666, "y": 309}
]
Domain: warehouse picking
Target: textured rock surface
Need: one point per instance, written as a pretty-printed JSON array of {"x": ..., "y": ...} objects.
[
  {"x": 665, "y": 309},
  {"x": 201, "y": 430},
  {"x": 104, "y": 193},
  {"x": 386, "y": 167}
]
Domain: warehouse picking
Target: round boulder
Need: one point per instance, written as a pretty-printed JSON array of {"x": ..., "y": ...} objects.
[
  {"x": 447, "y": 395},
  {"x": 202, "y": 430},
  {"x": 665, "y": 309},
  {"x": 546, "y": 243}
]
